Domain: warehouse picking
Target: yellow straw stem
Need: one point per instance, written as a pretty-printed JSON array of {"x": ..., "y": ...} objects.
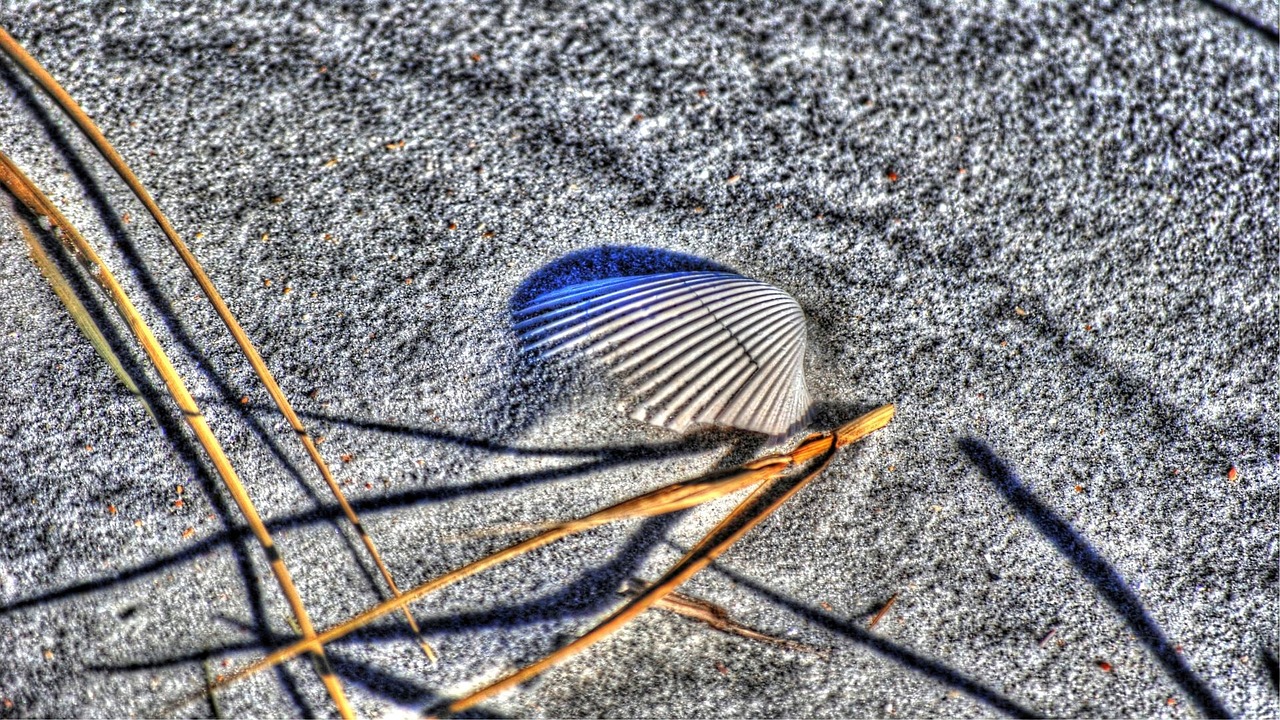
[
  {"x": 50, "y": 86},
  {"x": 670, "y": 498},
  {"x": 29, "y": 195},
  {"x": 715, "y": 543},
  {"x": 80, "y": 314}
]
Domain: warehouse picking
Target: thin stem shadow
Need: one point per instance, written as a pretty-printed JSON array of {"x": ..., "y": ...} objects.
[
  {"x": 853, "y": 630},
  {"x": 1244, "y": 20},
  {"x": 1105, "y": 579},
  {"x": 398, "y": 689},
  {"x": 587, "y": 595},
  {"x": 703, "y": 439},
  {"x": 419, "y": 496}
]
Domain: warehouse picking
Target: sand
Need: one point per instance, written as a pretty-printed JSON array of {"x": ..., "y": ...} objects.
[{"x": 1049, "y": 236}]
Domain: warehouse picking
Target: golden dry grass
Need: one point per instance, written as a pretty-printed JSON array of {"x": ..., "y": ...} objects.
[{"x": 776, "y": 478}]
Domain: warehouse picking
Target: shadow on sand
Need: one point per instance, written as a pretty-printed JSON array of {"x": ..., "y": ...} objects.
[{"x": 1100, "y": 573}]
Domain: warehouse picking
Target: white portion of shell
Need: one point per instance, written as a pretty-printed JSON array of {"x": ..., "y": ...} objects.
[{"x": 698, "y": 347}]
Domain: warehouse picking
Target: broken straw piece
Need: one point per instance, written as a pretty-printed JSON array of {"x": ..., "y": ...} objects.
[{"x": 697, "y": 347}]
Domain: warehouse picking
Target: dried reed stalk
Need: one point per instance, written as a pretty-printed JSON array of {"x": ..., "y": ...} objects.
[
  {"x": 749, "y": 513},
  {"x": 13, "y": 180},
  {"x": 678, "y": 496},
  {"x": 68, "y": 105},
  {"x": 79, "y": 313},
  {"x": 716, "y": 617}
]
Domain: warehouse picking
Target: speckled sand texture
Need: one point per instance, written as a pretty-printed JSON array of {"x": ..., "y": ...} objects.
[{"x": 1050, "y": 236}]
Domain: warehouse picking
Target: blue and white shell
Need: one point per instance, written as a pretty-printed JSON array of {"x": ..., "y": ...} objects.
[{"x": 697, "y": 347}]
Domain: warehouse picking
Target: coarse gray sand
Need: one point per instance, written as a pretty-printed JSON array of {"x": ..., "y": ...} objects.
[{"x": 1049, "y": 235}]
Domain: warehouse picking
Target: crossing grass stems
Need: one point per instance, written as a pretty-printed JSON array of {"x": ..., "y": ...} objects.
[{"x": 776, "y": 478}]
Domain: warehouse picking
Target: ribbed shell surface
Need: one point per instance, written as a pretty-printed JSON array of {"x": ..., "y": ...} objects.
[{"x": 697, "y": 347}]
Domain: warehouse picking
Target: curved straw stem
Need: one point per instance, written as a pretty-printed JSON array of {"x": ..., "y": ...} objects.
[
  {"x": 702, "y": 554},
  {"x": 29, "y": 195},
  {"x": 670, "y": 498},
  {"x": 80, "y": 314},
  {"x": 749, "y": 513},
  {"x": 50, "y": 86}
]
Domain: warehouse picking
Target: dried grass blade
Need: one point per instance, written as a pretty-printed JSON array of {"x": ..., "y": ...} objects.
[
  {"x": 12, "y": 179},
  {"x": 667, "y": 499},
  {"x": 63, "y": 99},
  {"x": 884, "y": 610},
  {"x": 670, "y": 498},
  {"x": 716, "y": 617},
  {"x": 80, "y": 314},
  {"x": 749, "y": 513},
  {"x": 697, "y": 558}
]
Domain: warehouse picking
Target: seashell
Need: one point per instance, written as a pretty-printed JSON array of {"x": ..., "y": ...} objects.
[{"x": 697, "y": 347}]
